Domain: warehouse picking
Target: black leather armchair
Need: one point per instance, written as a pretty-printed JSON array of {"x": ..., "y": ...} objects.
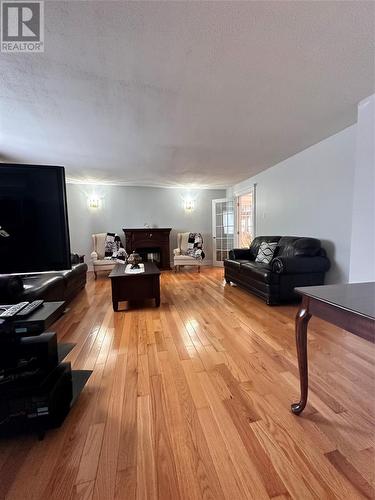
[{"x": 297, "y": 261}]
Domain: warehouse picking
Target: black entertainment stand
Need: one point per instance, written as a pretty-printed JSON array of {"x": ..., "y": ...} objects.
[{"x": 37, "y": 388}]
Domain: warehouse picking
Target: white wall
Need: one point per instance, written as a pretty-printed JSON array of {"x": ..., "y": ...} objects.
[
  {"x": 134, "y": 206},
  {"x": 311, "y": 194},
  {"x": 362, "y": 258}
]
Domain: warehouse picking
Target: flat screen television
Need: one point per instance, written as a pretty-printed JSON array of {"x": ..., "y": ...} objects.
[{"x": 34, "y": 231}]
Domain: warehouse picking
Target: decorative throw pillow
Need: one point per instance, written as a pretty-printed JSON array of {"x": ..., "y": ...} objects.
[
  {"x": 112, "y": 244},
  {"x": 265, "y": 252}
]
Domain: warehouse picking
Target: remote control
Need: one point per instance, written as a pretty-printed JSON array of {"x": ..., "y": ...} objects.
[
  {"x": 30, "y": 308},
  {"x": 13, "y": 310}
]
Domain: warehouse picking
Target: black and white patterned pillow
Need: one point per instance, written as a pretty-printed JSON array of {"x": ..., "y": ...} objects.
[{"x": 265, "y": 252}]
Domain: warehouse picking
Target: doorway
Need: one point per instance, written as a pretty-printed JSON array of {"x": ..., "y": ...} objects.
[{"x": 222, "y": 229}]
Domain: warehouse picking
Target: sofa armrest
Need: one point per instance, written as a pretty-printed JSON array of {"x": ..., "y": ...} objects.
[
  {"x": 94, "y": 256},
  {"x": 240, "y": 253},
  {"x": 176, "y": 251},
  {"x": 300, "y": 265}
]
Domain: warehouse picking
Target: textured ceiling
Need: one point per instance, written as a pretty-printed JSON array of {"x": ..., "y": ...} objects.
[{"x": 177, "y": 93}]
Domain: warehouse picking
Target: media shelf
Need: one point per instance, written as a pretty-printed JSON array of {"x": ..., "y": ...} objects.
[
  {"x": 79, "y": 377},
  {"x": 37, "y": 387}
]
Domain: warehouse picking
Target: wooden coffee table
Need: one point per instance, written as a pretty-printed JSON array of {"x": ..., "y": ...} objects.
[{"x": 140, "y": 286}]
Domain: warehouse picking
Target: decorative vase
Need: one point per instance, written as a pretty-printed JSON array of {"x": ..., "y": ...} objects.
[{"x": 134, "y": 259}]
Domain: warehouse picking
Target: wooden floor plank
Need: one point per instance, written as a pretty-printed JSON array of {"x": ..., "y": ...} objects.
[
  {"x": 146, "y": 473},
  {"x": 167, "y": 482},
  {"x": 90, "y": 457},
  {"x": 351, "y": 473}
]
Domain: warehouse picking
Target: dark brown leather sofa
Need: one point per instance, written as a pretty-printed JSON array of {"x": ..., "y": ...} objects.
[
  {"x": 63, "y": 285},
  {"x": 297, "y": 261}
]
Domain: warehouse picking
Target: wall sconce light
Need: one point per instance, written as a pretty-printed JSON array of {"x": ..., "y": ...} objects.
[
  {"x": 94, "y": 202},
  {"x": 189, "y": 204}
]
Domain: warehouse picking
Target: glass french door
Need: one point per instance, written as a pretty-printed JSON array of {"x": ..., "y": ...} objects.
[
  {"x": 222, "y": 229},
  {"x": 245, "y": 219}
]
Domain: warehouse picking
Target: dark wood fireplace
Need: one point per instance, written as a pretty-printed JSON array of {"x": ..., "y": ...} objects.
[{"x": 151, "y": 244}]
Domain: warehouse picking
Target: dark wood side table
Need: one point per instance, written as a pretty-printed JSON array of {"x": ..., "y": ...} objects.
[
  {"x": 350, "y": 306},
  {"x": 135, "y": 286}
]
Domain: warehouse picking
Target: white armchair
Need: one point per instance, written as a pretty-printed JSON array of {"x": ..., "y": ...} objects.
[
  {"x": 97, "y": 256},
  {"x": 179, "y": 254}
]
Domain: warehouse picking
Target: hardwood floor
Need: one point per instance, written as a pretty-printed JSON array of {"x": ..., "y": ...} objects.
[{"x": 192, "y": 400}]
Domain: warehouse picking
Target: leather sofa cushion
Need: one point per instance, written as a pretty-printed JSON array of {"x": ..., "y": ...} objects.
[
  {"x": 74, "y": 279},
  {"x": 42, "y": 287},
  {"x": 76, "y": 270},
  {"x": 235, "y": 264},
  {"x": 239, "y": 253},
  {"x": 259, "y": 272},
  {"x": 80, "y": 268},
  {"x": 293, "y": 246},
  {"x": 254, "y": 285}
]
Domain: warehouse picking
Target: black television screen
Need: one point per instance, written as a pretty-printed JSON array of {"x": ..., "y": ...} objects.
[{"x": 34, "y": 231}]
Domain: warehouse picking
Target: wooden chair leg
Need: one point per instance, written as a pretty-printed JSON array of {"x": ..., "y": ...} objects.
[
  {"x": 199, "y": 269},
  {"x": 95, "y": 274}
]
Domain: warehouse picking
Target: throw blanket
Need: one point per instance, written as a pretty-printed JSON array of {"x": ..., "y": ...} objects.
[
  {"x": 195, "y": 245},
  {"x": 112, "y": 245}
]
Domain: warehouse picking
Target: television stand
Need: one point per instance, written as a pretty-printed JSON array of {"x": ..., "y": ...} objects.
[
  {"x": 39, "y": 395},
  {"x": 40, "y": 320}
]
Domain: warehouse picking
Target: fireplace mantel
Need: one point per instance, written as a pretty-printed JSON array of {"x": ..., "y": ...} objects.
[{"x": 140, "y": 238}]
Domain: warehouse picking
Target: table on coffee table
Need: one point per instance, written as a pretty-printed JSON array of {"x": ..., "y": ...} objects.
[
  {"x": 139, "y": 286},
  {"x": 350, "y": 306}
]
